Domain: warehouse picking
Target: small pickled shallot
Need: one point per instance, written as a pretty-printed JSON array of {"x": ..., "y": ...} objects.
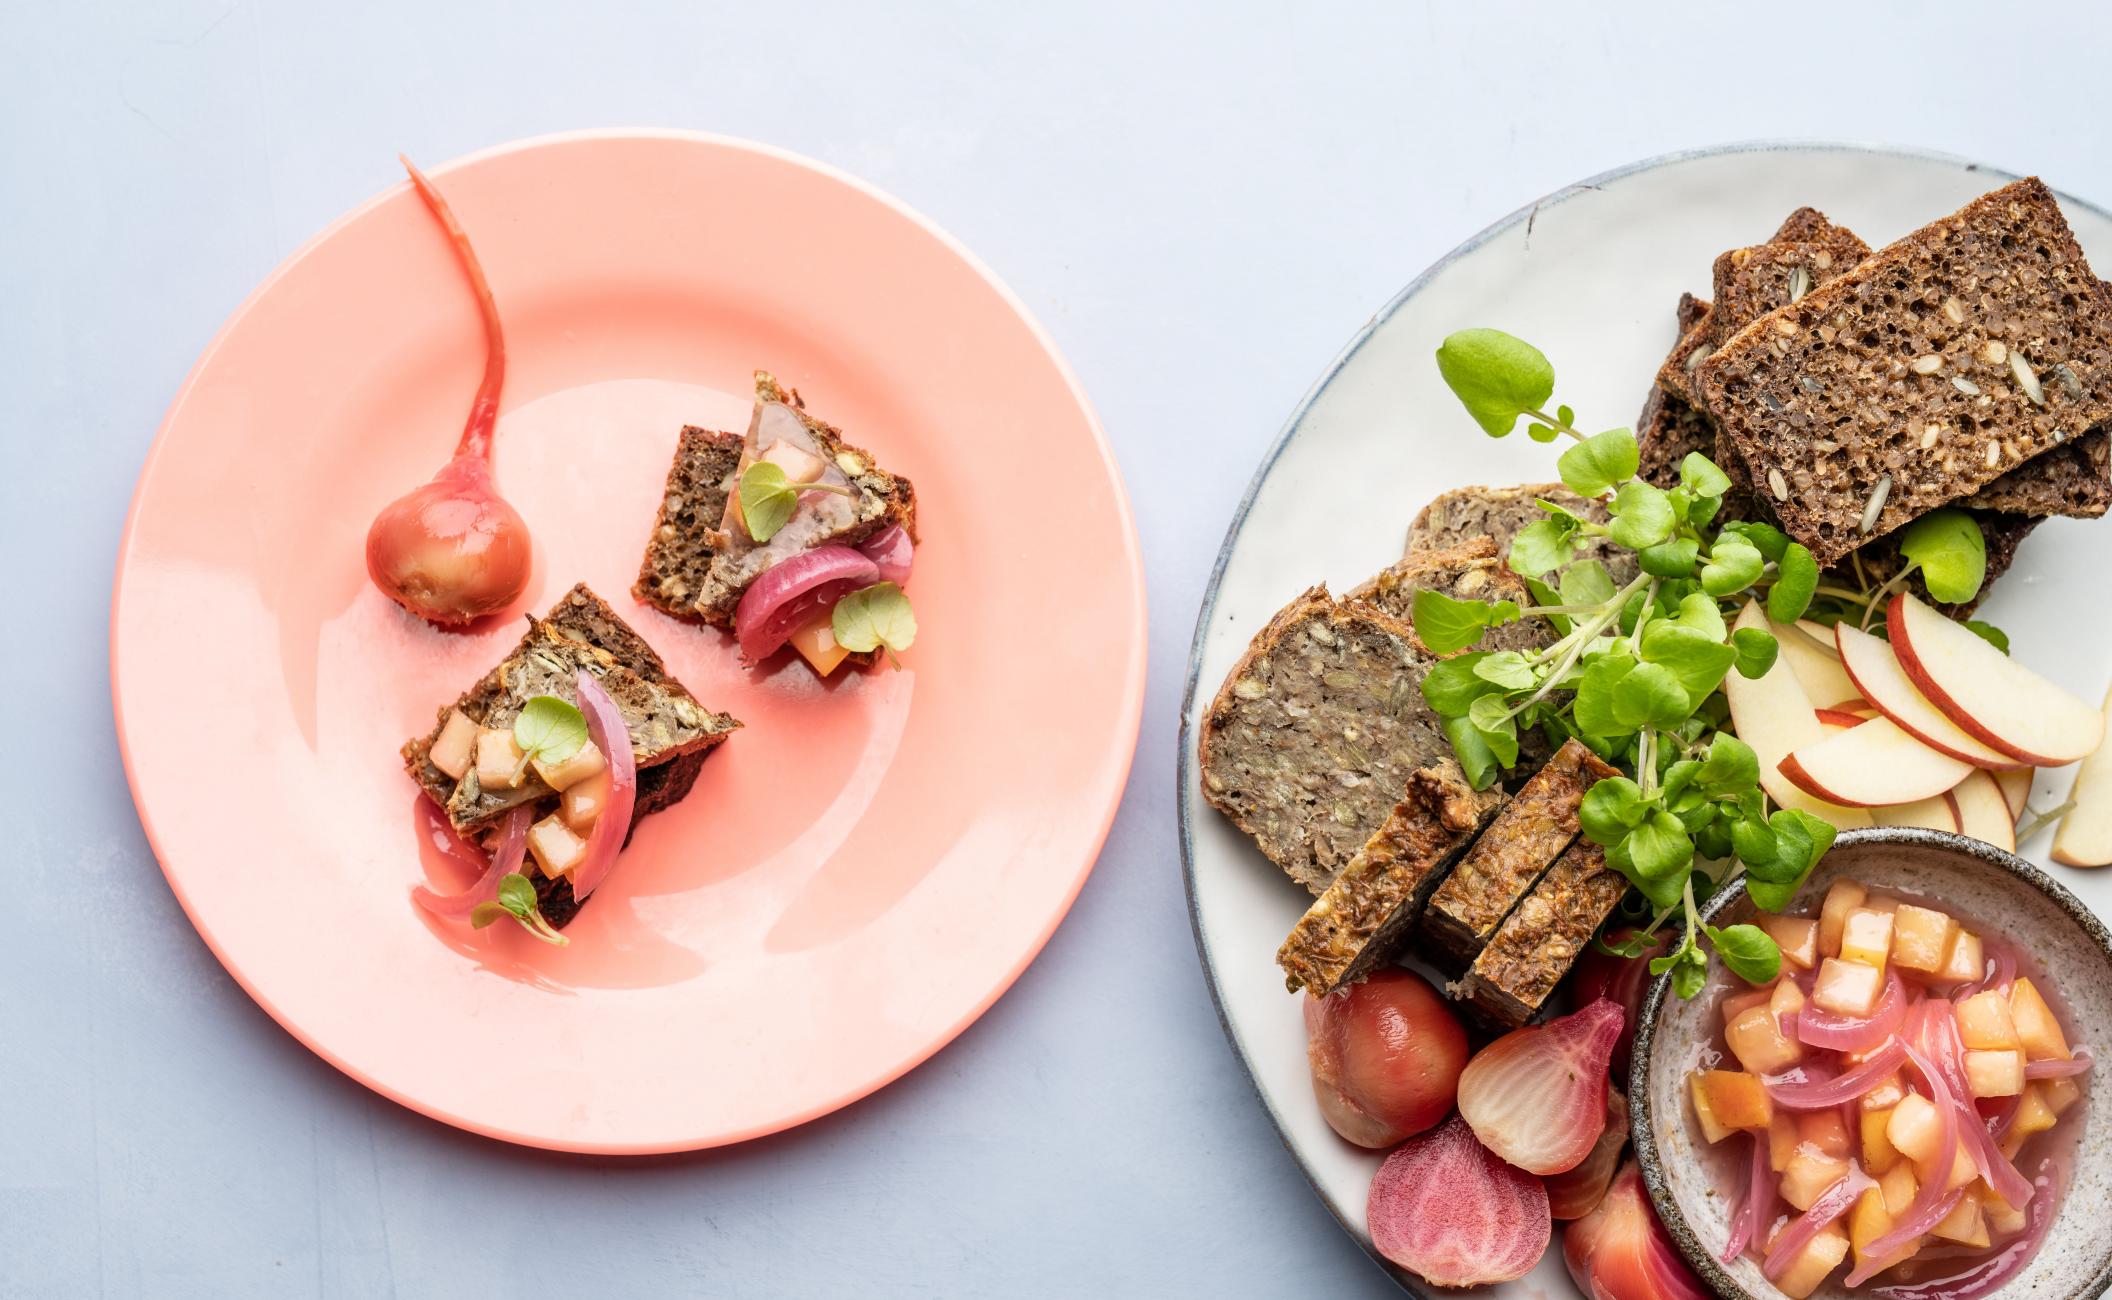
[
  {"x": 1759, "y": 1204},
  {"x": 1820, "y": 1094},
  {"x": 1817, "y": 1027},
  {"x": 1450, "y": 1211},
  {"x": 1834, "y": 1202},
  {"x": 891, "y": 549},
  {"x": 1537, "y": 1096},
  {"x": 787, "y": 596},
  {"x": 606, "y": 728},
  {"x": 513, "y": 847},
  {"x": 1990, "y": 1273},
  {"x": 2068, "y": 1069}
]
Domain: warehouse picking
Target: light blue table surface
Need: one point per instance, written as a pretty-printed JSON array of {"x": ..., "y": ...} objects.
[{"x": 1201, "y": 202}]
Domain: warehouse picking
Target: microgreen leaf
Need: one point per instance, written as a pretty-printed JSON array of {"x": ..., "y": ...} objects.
[
  {"x": 1748, "y": 951},
  {"x": 1767, "y": 539},
  {"x": 1475, "y": 756},
  {"x": 1733, "y": 565},
  {"x": 1698, "y": 474},
  {"x": 1703, "y": 615},
  {"x": 1692, "y": 659},
  {"x": 872, "y": 617},
  {"x": 1670, "y": 559},
  {"x": 1658, "y": 853},
  {"x": 1507, "y": 668},
  {"x": 767, "y": 499},
  {"x": 1599, "y": 463},
  {"x": 1543, "y": 546},
  {"x": 1586, "y": 583},
  {"x": 1731, "y": 766},
  {"x": 1796, "y": 581},
  {"x": 1496, "y": 376},
  {"x": 1756, "y": 651},
  {"x": 1948, "y": 546},
  {"x": 517, "y": 900},
  {"x": 1594, "y": 711},
  {"x": 1989, "y": 633},
  {"x": 550, "y": 729},
  {"x": 1611, "y": 808},
  {"x": 1452, "y": 685},
  {"x": 1642, "y": 516},
  {"x": 1446, "y": 624},
  {"x": 1649, "y": 695}
]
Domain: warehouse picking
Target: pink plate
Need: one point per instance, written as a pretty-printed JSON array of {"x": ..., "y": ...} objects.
[{"x": 859, "y": 872}]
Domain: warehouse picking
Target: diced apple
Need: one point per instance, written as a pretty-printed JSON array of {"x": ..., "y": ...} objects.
[
  {"x": 586, "y": 761},
  {"x": 1809, "y": 1173},
  {"x": 500, "y": 764},
  {"x": 1867, "y": 937},
  {"x": 2059, "y": 1094},
  {"x": 1984, "y": 1023},
  {"x": 816, "y": 643},
  {"x": 1963, "y": 1170},
  {"x": 1711, "y": 1129},
  {"x": 1869, "y": 1220},
  {"x": 1879, "y": 1154},
  {"x": 2085, "y": 835},
  {"x": 1825, "y": 1130},
  {"x": 1899, "y": 1186},
  {"x": 2002, "y": 1217},
  {"x": 1982, "y": 811},
  {"x": 1994, "y": 1074},
  {"x": 1786, "y": 1000},
  {"x": 1991, "y": 696},
  {"x": 2015, "y": 784},
  {"x": 1796, "y": 936},
  {"x": 1921, "y": 936},
  {"x": 1781, "y": 1140},
  {"x": 1884, "y": 1094},
  {"x": 1737, "y": 1004},
  {"x": 1808, "y": 1271},
  {"x": 455, "y": 748},
  {"x": 1913, "y": 1129},
  {"x": 1875, "y": 669},
  {"x": 1773, "y": 715},
  {"x": 799, "y": 464},
  {"x": 1809, "y": 650},
  {"x": 581, "y": 804},
  {"x": 1847, "y": 988},
  {"x": 1875, "y": 764},
  {"x": 556, "y": 849},
  {"x": 1736, "y": 1100},
  {"x": 1843, "y": 897},
  {"x": 1965, "y": 1224},
  {"x": 1937, "y": 814},
  {"x": 1966, "y": 961},
  {"x": 2033, "y": 1117},
  {"x": 2037, "y": 1028},
  {"x": 1758, "y": 1042}
]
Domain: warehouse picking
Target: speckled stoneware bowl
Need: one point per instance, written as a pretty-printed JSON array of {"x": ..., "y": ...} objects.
[{"x": 2002, "y": 895}]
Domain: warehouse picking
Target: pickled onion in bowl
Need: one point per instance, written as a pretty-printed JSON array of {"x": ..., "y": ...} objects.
[{"x": 787, "y": 596}]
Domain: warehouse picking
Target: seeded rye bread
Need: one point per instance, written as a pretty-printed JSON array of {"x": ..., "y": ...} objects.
[
  {"x": 1670, "y": 428},
  {"x": 1541, "y": 939},
  {"x": 1361, "y": 918},
  {"x": 678, "y": 552},
  {"x": 1838, "y": 393},
  {"x": 880, "y": 499},
  {"x": 1509, "y": 858}
]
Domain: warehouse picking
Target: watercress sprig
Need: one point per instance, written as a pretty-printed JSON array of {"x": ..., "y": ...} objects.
[
  {"x": 769, "y": 496},
  {"x": 517, "y": 900},
  {"x": 872, "y": 617}
]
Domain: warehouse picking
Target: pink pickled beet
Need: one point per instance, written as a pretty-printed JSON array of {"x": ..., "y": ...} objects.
[
  {"x": 1601, "y": 974},
  {"x": 1386, "y": 1056},
  {"x": 1577, "y": 1192},
  {"x": 452, "y": 550},
  {"x": 1537, "y": 1096},
  {"x": 1447, "y": 1210},
  {"x": 1620, "y": 1251}
]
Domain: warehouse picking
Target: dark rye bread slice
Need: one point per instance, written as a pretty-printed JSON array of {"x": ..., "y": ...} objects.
[
  {"x": 1542, "y": 938},
  {"x": 1825, "y": 250},
  {"x": 1505, "y": 863},
  {"x": 1370, "y": 908},
  {"x": 878, "y": 499},
  {"x": 692, "y": 507},
  {"x": 1851, "y": 397},
  {"x": 1500, "y": 513},
  {"x": 1468, "y": 570},
  {"x": 1312, "y": 737},
  {"x": 580, "y": 632}
]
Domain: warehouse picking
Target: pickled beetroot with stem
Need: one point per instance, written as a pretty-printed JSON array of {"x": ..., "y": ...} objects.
[
  {"x": 1537, "y": 1096},
  {"x": 1447, "y": 1210},
  {"x": 1386, "y": 1056},
  {"x": 452, "y": 550}
]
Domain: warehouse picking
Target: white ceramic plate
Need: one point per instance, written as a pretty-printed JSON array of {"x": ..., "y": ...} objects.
[{"x": 1591, "y": 275}]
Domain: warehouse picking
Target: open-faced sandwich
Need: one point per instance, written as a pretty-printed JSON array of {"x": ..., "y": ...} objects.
[{"x": 785, "y": 535}]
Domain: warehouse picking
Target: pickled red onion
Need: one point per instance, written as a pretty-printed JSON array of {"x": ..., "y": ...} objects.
[
  {"x": 891, "y": 549},
  {"x": 1818, "y": 1094},
  {"x": 786, "y": 596},
  {"x": 1821, "y": 1028},
  {"x": 2000, "y": 971},
  {"x": 2068, "y": 1069},
  {"x": 1930, "y": 1202},
  {"x": 1989, "y": 1273},
  {"x": 1832, "y": 1204},
  {"x": 1937, "y": 1033},
  {"x": 606, "y": 728},
  {"x": 1759, "y": 1201},
  {"x": 513, "y": 847}
]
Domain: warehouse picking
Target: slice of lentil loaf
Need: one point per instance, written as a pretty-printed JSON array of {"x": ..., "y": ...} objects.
[
  {"x": 1851, "y": 397},
  {"x": 1311, "y": 738},
  {"x": 1508, "y": 860},
  {"x": 1469, "y": 570},
  {"x": 1542, "y": 938},
  {"x": 1370, "y": 908},
  {"x": 678, "y": 551},
  {"x": 1500, "y": 513}
]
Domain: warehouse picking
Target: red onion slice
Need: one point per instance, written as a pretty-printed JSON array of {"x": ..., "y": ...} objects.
[
  {"x": 2060, "y": 1069},
  {"x": 786, "y": 596},
  {"x": 1989, "y": 1273},
  {"x": 1759, "y": 1203},
  {"x": 1938, "y": 1035},
  {"x": 1832, "y": 1204},
  {"x": 605, "y": 727},
  {"x": 1820, "y": 1028},
  {"x": 1821, "y": 1093},
  {"x": 513, "y": 847},
  {"x": 1930, "y": 1201},
  {"x": 2001, "y": 967},
  {"x": 891, "y": 549}
]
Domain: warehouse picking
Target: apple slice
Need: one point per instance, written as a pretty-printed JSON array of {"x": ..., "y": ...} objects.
[
  {"x": 1982, "y": 811},
  {"x": 2085, "y": 836},
  {"x": 2016, "y": 788},
  {"x": 1875, "y": 670},
  {"x": 1840, "y": 720},
  {"x": 1808, "y": 647},
  {"x": 1994, "y": 698},
  {"x": 1938, "y": 814},
  {"x": 1773, "y": 715},
  {"x": 1873, "y": 765}
]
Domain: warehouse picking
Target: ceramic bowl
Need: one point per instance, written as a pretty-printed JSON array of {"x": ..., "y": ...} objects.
[{"x": 2005, "y": 897}]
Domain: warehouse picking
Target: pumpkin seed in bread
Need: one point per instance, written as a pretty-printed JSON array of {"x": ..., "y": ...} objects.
[{"x": 692, "y": 507}]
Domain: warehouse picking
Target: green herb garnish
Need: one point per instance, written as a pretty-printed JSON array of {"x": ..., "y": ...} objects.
[
  {"x": 549, "y": 729},
  {"x": 1951, "y": 552},
  {"x": 876, "y": 616},
  {"x": 768, "y": 498},
  {"x": 1638, "y": 669},
  {"x": 517, "y": 900}
]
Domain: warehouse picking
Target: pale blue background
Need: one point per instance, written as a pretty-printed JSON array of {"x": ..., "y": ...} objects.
[{"x": 1200, "y": 201}]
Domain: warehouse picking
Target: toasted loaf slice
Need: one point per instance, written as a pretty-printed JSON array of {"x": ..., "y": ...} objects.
[
  {"x": 877, "y": 500},
  {"x": 2073, "y": 479},
  {"x": 1850, "y": 398},
  {"x": 1468, "y": 570},
  {"x": 1508, "y": 860},
  {"x": 1542, "y": 938},
  {"x": 1371, "y": 906},
  {"x": 692, "y": 509}
]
